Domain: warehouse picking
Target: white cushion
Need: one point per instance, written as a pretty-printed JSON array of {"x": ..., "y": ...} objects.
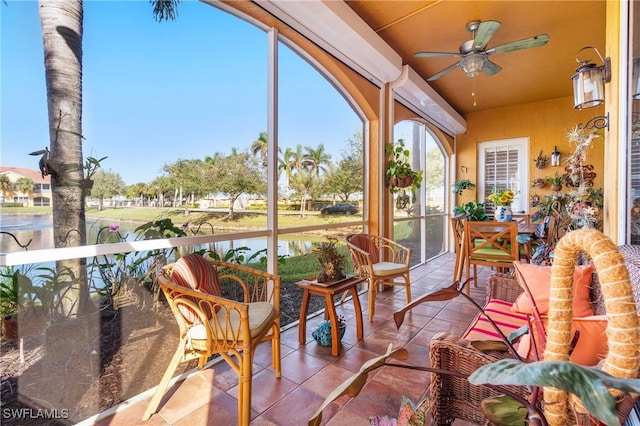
[
  {"x": 261, "y": 315},
  {"x": 388, "y": 268}
]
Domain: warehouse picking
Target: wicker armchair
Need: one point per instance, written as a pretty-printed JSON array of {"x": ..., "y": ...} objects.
[
  {"x": 224, "y": 309},
  {"x": 454, "y": 397},
  {"x": 380, "y": 260}
]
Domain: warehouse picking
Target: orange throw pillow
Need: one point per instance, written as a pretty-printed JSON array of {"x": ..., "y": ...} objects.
[
  {"x": 591, "y": 346},
  {"x": 538, "y": 280}
]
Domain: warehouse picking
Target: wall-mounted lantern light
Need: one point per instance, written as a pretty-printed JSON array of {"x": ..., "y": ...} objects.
[
  {"x": 589, "y": 79},
  {"x": 555, "y": 158},
  {"x": 588, "y": 87}
]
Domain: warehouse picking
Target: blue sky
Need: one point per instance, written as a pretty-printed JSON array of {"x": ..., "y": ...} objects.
[{"x": 157, "y": 92}]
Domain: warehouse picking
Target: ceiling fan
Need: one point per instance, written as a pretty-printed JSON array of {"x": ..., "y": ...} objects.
[{"x": 474, "y": 53}]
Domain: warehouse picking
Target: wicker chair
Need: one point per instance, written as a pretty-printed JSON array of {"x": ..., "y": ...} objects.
[
  {"x": 454, "y": 397},
  {"x": 380, "y": 260},
  {"x": 211, "y": 324}
]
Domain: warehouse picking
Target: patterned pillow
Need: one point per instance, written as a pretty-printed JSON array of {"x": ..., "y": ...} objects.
[{"x": 193, "y": 271}]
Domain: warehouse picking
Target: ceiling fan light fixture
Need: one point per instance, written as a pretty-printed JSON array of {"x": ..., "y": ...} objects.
[
  {"x": 588, "y": 81},
  {"x": 473, "y": 63}
]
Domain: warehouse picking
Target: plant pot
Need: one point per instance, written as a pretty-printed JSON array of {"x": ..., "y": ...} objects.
[
  {"x": 322, "y": 334},
  {"x": 401, "y": 182},
  {"x": 503, "y": 214},
  {"x": 556, "y": 188}
]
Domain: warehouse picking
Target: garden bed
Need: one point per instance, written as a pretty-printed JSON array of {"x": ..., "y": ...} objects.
[{"x": 133, "y": 345}]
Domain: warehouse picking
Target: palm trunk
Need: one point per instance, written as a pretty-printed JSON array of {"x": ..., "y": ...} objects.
[{"x": 61, "y": 22}]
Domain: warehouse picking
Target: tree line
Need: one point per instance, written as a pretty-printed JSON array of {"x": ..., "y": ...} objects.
[{"x": 303, "y": 173}]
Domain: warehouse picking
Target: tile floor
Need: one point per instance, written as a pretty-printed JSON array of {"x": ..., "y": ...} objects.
[{"x": 310, "y": 372}]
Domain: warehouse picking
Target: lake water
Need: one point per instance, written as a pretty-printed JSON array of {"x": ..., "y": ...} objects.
[{"x": 36, "y": 232}]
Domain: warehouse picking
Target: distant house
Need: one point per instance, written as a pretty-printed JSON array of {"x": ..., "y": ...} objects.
[{"x": 39, "y": 196}]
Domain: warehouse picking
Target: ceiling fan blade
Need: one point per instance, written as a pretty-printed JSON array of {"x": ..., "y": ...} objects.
[
  {"x": 486, "y": 30},
  {"x": 491, "y": 68},
  {"x": 443, "y": 72},
  {"x": 436, "y": 54},
  {"x": 539, "y": 40}
]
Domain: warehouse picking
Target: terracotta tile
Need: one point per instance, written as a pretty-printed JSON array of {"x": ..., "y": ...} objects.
[
  {"x": 299, "y": 366},
  {"x": 353, "y": 359},
  {"x": 222, "y": 410},
  {"x": 327, "y": 380},
  {"x": 296, "y": 409},
  {"x": 186, "y": 396},
  {"x": 413, "y": 384},
  {"x": 375, "y": 399},
  {"x": 266, "y": 390},
  {"x": 347, "y": 417}
]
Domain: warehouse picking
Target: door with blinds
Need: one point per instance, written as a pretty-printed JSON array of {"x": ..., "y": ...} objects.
[{"x": 504, "y": 165}]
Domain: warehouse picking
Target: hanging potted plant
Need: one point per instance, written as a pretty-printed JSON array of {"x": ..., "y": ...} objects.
[
  {"x": 556, "y": 181},
  {"x": 462, "y": 184},
  {"x": 399, "y": 173},
  {"x": 538, "y": 183},
  {"x": 541, "y": 161}
]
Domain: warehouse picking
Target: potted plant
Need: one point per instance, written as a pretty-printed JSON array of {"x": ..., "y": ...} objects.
[
  {"x": 541, "y": 161},
  {"x": 331, "y": 261},
  {"x": 462, "y": 184},
  {"x": 473, "y": 210},
  {"x": 502, "y": 199},
  {"x": 538, "y": 183},
  {"x": 399, "y": 173},
  {"x": 556, "y": 181}
]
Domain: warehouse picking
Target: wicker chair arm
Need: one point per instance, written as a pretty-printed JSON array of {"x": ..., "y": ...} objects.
[
  {"x": 258, "y": 286},
  {"x": 361, "y": 259},
  {"x": 399, "y": 253}
]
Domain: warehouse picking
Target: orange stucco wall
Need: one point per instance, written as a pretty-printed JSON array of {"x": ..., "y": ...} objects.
[{"x": 545, "y": 123}]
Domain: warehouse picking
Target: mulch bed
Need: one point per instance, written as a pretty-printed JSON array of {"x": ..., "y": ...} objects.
[{"x": 83, "y": 366}]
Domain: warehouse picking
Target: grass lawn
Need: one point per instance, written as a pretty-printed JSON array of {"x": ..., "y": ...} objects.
[{"x": 248, "y": 219}]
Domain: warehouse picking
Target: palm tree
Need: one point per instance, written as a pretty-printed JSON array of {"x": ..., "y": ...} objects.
[
  {"x": 259, "y": 147},
  {"x": 318, "y": 159},
  {"x": 61, "y": 22},
  {"x": 25, "y": 185}
]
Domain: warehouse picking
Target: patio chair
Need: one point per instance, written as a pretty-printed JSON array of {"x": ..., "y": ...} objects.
[
  {"x": 491, "y": 244},
  {"x": 457, "y": 225},
  {"x": 380, "y": 260},
  {"x": 214, "y": 325}
]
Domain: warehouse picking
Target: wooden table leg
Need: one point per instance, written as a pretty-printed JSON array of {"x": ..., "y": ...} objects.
[
  {"x": 358, "y": 309},
  {"x": 302, "y": 325},
  {"x": 335, "y": 332}
]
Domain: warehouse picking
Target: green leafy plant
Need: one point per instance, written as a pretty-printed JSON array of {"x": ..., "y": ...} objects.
[
  {"x": 461, "y": 185},
  {"x": 556, "y": 181},
  {"x": 399, "y": 172},
  {"x": 473, "y": 210}
]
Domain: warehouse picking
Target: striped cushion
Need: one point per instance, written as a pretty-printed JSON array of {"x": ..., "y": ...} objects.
[
  {"x": 365, "y": 243},
  {"x": 193, "y": 271},
  {"x": 500, "y": 312}
]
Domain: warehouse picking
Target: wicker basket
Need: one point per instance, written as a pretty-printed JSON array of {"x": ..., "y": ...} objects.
[{"x": 623, "y": 334}]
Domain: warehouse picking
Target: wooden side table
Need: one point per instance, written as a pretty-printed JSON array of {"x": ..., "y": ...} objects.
[{"x": 329, "y": 291}]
